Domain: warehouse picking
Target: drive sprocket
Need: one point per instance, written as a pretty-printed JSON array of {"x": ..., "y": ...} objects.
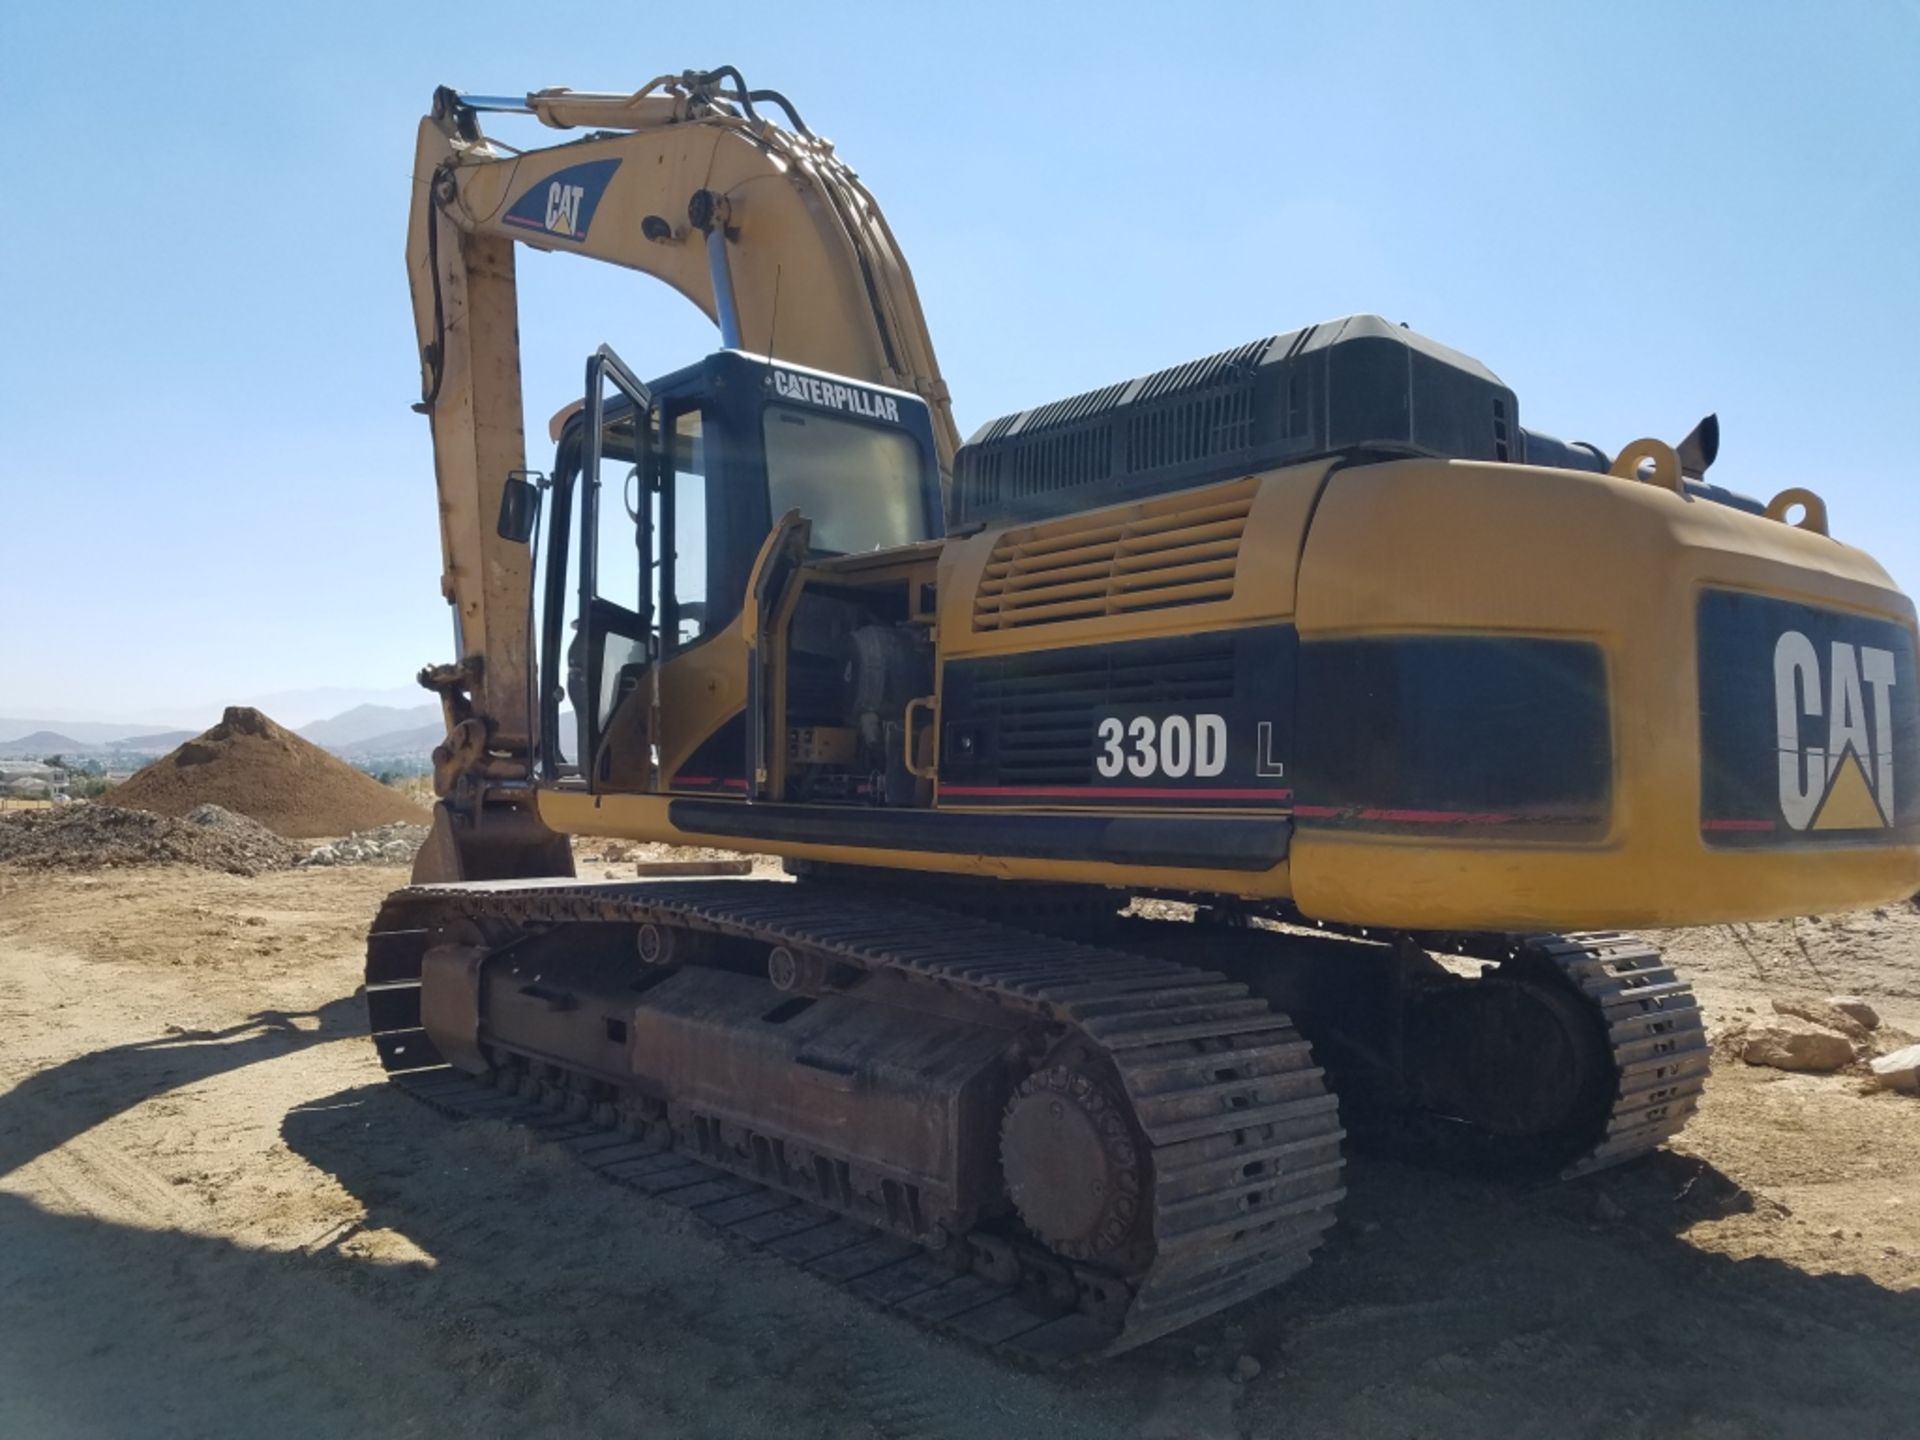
[{"x": 1073, "y": 1168}]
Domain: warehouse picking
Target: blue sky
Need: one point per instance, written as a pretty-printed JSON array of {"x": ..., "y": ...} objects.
[{"x": 213, "y": 487}]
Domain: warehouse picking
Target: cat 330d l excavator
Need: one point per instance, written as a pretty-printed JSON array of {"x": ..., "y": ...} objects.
[{"x": 1312, "y": 636}]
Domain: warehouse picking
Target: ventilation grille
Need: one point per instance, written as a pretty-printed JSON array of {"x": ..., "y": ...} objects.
[
  {"x": 1181, "y": 416},
  {"x": 1057, "y": 461},
  {"x": 1205, "y": 425},
  {"x": 1182, "y": 550},
  {"x": 1041, "y": 708}
]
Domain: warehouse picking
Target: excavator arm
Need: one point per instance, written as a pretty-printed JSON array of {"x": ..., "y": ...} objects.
[{"x": 689, "y": 180}]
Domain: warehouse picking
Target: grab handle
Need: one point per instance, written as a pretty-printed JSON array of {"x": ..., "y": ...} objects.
[{"x": 907, "y": 738}]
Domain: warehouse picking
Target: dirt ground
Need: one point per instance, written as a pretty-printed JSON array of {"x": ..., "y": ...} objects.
[{"x": 216, "y": 1221}]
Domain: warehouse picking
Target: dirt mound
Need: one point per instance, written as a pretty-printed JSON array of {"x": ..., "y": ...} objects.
[
  {"x": 89, "y": 837},
  {"x": 248, "y": 764}
]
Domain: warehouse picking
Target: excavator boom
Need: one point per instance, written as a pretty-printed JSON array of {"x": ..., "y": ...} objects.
[{"x": 688, "y": 180}]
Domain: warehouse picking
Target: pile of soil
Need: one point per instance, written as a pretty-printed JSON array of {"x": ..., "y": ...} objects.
[
  {"x": 93, "y": 837},
  {"x": 248, "y": 764}
]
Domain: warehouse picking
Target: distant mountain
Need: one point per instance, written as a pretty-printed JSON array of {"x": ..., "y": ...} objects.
[
  {"x": 75, "y": 732},
  {"x": 290, "y": 708},
  {"x": 40, "y": 742},
  {"x": 366, "y": 733},
  {"x": 416, "y": 742},
  {"x": 295, "y": 708},
  {"x": 344, "y": 731}
]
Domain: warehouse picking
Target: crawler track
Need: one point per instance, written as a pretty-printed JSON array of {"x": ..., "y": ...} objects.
[
  {"x": 1648, "y": 1037},
  {"x": 1656, "y": 1037},
  {"x": 1242, "y": 1138}
]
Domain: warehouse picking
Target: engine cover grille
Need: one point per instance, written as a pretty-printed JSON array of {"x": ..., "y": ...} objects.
[{"x": 1182, "y": 550}]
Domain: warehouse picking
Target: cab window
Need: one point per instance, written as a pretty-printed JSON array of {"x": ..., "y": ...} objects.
[{"x": 860, "y": 485}]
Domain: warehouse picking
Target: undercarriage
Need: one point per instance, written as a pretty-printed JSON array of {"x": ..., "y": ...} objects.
[{"x": 1059, "y": 1132}]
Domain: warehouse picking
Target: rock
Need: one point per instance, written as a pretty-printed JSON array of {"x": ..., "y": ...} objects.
[
  {"x": 323, "y": 856},
  {"x": 1856, "y": 1008},
  {"x": 1245, "y": 1368},
  {"x": 1899, "y": 1071},
  {"x": 1607, "y": 1210},
  {"x": 1822, "y": 1013},
  {"x": 1798, "y": 1047}
]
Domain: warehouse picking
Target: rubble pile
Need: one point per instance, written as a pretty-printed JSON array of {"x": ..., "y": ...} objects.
[
  {"x": 91, "y": 837},
  {"x": 386, "y": 845}
]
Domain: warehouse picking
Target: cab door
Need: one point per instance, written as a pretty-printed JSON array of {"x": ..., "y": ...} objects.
[{"x": 613, "y": 674}]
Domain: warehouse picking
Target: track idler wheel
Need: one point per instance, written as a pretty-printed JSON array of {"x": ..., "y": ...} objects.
[
  {"x": 1518, "y": 1058},
  {"x": 1075, "y": 1171}
]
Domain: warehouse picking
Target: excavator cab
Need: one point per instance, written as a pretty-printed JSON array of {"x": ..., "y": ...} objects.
[{"x": 664, "y": 498}]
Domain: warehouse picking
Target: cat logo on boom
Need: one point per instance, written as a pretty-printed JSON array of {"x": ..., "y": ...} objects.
[
  {"x": 1838, "y": 776},
  {"x": 562, "y": 205}
]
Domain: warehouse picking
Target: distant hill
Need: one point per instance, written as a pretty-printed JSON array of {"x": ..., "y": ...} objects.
[
  {"x": 416, "y": 742},
  {"x": 368, "y": 734},
  {"x": 76, "y": 733},
  {"x": 40, "y": 742},
  {"x": 88, "y": 739},
  {"x": 349, "y": 728},
  {"x": 310, "y": 707}
]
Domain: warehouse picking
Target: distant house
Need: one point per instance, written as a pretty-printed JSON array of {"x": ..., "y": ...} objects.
[
  {"x": 32, "y": 770},
  {"x": 31, "y": 780}
]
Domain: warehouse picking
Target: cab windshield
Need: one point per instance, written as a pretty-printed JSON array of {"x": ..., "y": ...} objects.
[{"x": 860, "y": 485}]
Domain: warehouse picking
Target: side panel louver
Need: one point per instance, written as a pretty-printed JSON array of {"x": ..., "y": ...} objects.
[{"x": 1183, "y": 550}]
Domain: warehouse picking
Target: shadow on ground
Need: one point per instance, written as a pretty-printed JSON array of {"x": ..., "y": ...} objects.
[
  {"x": 116, "y": 1330},
  {"x": 50, "y": 1107},
  {"x": 495, "y": 1287},
  {"x": 1441, "y": 1307}
]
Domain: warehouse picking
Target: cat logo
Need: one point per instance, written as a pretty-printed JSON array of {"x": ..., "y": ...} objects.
[
  {"x": 563, "y": 203},
  {"x": 1838, "y": 776}
]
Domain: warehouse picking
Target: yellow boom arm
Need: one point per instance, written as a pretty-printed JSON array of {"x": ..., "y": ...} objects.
[{"x": 688, "y": 180}]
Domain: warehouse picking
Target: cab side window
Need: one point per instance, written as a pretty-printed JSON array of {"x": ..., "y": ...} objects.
[{"x": 687, "y": 507}]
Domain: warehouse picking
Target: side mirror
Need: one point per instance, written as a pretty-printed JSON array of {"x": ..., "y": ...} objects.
[{"x": 519, "y": 509}]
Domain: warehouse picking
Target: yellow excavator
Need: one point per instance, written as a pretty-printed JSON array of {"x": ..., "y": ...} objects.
[{"x": 1170, "y": 780}]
